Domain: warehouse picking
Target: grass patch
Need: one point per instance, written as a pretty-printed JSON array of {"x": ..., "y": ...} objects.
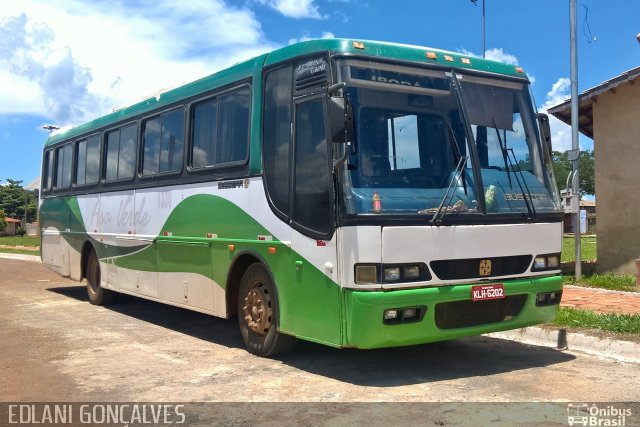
[
  {"x": 19, "y": 251},
  {"x": 583, "y": 319},
  {"x": 614, "y": 282},
  {"x": 587, "y": 249},
  {"x": 20, "y": 241}
]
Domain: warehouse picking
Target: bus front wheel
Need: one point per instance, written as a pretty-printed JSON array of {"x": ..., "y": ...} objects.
[
  {"x": 258, "y": 314},
  {"x": 97, "y": 294}
]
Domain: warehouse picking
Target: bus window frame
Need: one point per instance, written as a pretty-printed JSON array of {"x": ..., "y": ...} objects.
[
  {"x": 103, "y": 155},
  {"x": 140, "y": 147},
  {"x": 46, "y": 168},
  {"x": 57, "y": 149},
  {"x": 74, "y": 172},
  {"x": 215, "y": 167},
  {"x": 284, "y": 216},
  {"x": 293, "y": 161}
]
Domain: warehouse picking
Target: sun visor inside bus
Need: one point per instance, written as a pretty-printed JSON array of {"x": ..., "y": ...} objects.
[{"x": 489, "y": 106}]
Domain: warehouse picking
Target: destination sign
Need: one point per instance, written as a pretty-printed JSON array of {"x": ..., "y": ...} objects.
[{"x": 402, "y": 79}]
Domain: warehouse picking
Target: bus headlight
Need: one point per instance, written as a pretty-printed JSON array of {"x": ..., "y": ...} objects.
[
  {"x": 391, "y": 274},
  {"x": 366, "y": 274},
  {"x": 411, "y": 272},
  {"x": 546, "y": 262},
  {"x": 540, "y": 263}
]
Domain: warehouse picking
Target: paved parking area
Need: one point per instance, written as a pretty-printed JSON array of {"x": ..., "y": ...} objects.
[{"x": 56, "y": 346}]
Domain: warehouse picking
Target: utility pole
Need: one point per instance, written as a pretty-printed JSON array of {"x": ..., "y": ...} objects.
[
  {"x": 484, "y": 47},
  {"x": 575, "y": 145}
]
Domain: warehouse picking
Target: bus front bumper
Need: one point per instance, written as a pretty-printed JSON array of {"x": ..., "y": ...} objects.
[{"x": 445, "y": 312}]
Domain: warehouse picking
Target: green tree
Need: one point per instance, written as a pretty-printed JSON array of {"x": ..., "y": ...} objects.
[
  {"x": 3, "y": 223},
  {"x": 14, "y": 200},
  {"x": 562, "y": 168}
]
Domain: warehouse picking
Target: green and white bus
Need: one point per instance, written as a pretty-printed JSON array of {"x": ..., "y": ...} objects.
[{"x": 352, "y": 193}]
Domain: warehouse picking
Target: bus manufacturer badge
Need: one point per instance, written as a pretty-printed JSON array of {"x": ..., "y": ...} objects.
[{"x": 485, "y": 267}]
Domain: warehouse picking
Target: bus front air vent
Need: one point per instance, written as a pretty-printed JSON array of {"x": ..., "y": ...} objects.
[{"x": 478, "y": 268}]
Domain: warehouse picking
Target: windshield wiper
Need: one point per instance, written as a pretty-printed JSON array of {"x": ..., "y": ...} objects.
[
  {"x": 451, "y": 189},
  {"x": 527, "y": 196},
  {"x": 448, "y": 195},
  {"x": 509, "y": 164},
  {"x": 503, "y": 149}
]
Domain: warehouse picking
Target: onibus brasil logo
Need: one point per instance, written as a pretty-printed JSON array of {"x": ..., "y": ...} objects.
[{"x": 594, "y": 415}]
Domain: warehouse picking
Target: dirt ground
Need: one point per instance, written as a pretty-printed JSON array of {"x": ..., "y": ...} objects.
[{"x": 55, "y": 346}]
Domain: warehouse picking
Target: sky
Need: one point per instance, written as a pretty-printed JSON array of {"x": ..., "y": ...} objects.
[{"x": 64, "y": 62}]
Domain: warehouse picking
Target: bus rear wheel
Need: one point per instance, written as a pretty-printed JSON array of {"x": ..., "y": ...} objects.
[
  {"x": 258, "y": 314},
  {"x": 97, "y": 294}
]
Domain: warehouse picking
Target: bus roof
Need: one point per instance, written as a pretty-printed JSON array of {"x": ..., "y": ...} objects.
[{"x": 244, "y": 70}]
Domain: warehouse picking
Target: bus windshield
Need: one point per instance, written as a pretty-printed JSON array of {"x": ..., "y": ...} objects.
[{"x": 432, "y": 143}]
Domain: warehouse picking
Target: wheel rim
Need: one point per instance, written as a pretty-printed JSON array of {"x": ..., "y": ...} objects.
[{"x": 257, "y": 309}]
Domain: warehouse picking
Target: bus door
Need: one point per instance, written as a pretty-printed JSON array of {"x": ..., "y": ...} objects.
[{"x": 316, "y": 292}]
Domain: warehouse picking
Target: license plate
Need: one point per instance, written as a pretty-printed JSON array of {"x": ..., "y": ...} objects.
[{"x": 487, "y": 292}]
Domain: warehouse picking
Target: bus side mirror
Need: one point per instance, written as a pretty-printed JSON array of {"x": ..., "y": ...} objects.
[
  {"x": 340, "y": 115},
  {"x": 545, "y": 130}
]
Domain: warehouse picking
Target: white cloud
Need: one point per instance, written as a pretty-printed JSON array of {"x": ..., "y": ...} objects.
[
  {"x": 560, "y": 132},
  {"x": 497, "y": 54},
  {"x": 76, "y": 60},
  {"x": 28, "y": 52},
  {"x": 295, "y": 8},
  {"x": 559, "y": 92},
  {"x": 325, "y": 35}
]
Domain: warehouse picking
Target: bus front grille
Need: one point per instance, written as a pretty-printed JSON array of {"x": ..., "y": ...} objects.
[
  {"x": 462, "y": 314},
  {"x": 456, "y": 269}
]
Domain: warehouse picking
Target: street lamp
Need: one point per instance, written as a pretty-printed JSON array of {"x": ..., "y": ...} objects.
[
  {"x": 484, "y": 48},
  {"x": 50, "y": 128}
]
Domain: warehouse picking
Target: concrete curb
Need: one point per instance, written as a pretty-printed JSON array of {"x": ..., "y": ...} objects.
[
  {"x": 20, "y": 257},
  {"x": 623, "y": 351}
]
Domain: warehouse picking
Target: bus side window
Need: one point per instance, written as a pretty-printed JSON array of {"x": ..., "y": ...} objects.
[
  {"x": 93, "y": 160},
  {"x": 127, "y": 153},
  {"x": 64, "y": 155},
  {"x": 312, "y": 180},
  {"x": 81, "y": 162},
  {"x": 48, "y": 172},
  {"x": 203, "y": 133},
  {"x": 111, "y": 155},
  {"x": 87, "y": 160},
  {"x": 120, "y": 153},
  {"x": 220, "y": 130},
  {"x": 277, "y": 137},
  {"x": 163, "y": 143},
  {"x": 233, "y": 131}
]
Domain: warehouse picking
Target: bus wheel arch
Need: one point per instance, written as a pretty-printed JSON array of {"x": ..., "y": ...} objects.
[
  {"x": 256, "y": 304},
  {"x": 238, "y": 267}
]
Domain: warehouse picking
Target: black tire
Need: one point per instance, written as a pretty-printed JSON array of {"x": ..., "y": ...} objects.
[
  {"x": 258, "y": 314},
  {"x": 97, "y": 294}
]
